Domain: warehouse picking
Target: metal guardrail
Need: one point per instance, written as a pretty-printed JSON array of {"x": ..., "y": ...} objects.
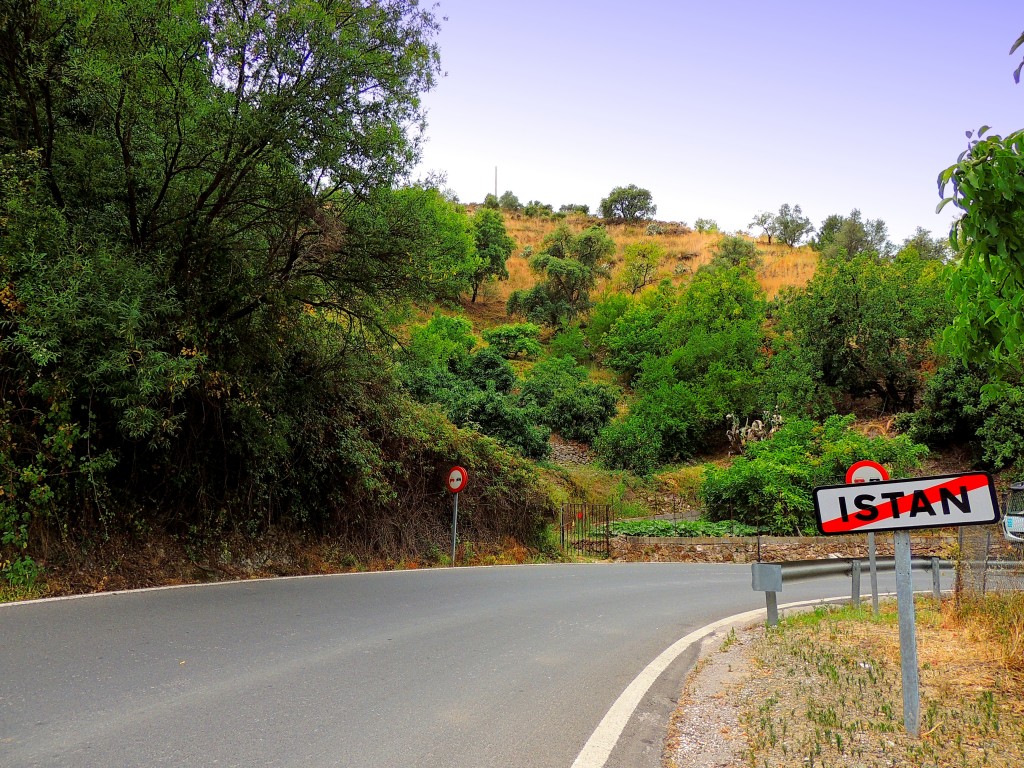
[
  {"x": 799, "y": 570},
  {"x": 769, "y": 577}
]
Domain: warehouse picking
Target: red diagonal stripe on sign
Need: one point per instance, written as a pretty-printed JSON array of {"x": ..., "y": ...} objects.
[{"x": 903, "y": 505}]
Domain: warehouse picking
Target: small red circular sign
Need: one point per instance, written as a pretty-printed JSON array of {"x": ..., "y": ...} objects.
[
  {"x": 457, "y": 479},
  {"x": 866, "y": 472}
]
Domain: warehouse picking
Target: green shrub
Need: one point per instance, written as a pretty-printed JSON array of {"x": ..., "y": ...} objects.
[
  {"x": 568, "y": 401},
  {"x": 960, "y": 407},
  {"x": 603, "y": 316},
  {"x": 488, "y": 367},
  {"x": 681, "y": 528},
  {"x": 1002, "y": 433},
  {"x": 551, "y": 375},
  {"x": 950, "y": 411},
  {"x": 771, "y": 485},
  {"x": 580, "y": 413},
  {"x": 500, "y": 417},
  {"x": 733, "y": 251},
  {"x": 575, "y": 208},
  {"x": 634, "y": 337},
  {"x": 515, "y": 340},
  {"x": 629, "y": 444},
  {"x": 570, "y": 342},
  {"x": 537, "y": 209}
]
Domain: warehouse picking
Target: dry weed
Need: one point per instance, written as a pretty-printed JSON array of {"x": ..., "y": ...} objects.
[{"x": 829, "y": 694}]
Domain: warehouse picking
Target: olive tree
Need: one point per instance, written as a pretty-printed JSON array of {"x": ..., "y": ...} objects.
[{"x": 630, "y": 203}]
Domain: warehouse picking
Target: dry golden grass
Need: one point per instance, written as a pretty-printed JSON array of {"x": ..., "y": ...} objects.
[
  {"x": 685, "y": 252},
  {"x": 827, "y": 690}
]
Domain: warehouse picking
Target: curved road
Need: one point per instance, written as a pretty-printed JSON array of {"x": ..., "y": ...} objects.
[{"x": 458, "y": 668}]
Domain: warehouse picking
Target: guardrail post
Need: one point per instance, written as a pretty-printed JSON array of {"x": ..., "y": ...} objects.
[
  {"x": 767, "y": 578},
  {"x": 772, "y": 607},
  {"x": 855, "y": 573},
  {"x": 936, "y": 586}
]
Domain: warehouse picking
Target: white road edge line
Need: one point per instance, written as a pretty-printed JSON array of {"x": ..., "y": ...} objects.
[{"x": 602, "y": 741}]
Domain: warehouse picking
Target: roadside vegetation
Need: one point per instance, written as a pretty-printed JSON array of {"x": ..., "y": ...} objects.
[
  {"x": 228, "y": 311},
  {"x": 826, "y": 688}
]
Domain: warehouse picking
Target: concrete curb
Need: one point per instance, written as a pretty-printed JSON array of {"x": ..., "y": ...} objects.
[{"x": 602, "y": 741}]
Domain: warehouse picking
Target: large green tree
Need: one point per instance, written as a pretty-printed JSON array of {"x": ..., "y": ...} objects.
[
  {"x": 493, "y": 247},
  {"x": 694, "y": 358},
  {"x": 205, "y": 234},
  {"x": 631, "y": 203},
  {"x": 569, "y": 267},
  {"x": 791, "y": 226},
  {"x": 865, "y": 326},
  {"x": 853, "y": 235},
  {"x": 788, "y": 226}
]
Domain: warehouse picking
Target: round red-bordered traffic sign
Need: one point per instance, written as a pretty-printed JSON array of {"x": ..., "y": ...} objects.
[
  {"x": 457, "y": 479},
  {"x": 866, "y": 472}
]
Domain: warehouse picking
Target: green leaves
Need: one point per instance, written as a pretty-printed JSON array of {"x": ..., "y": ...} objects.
[
  {"x": 569, "y": 266},
  {"x": 986, "y": 186},
  {"x": 493, "y": 247},
  {"x": 681, "y": 528},
  {"x": 770, "y": 486},
  {"x": 631, "y": 203},
  {"x": 1014, "y": 47}
]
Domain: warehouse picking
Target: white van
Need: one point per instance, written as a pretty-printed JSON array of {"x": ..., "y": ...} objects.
[{"x": 1013, "y": 514}]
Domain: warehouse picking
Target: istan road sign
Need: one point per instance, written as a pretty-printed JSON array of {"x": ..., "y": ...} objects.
[{"x": 920, "y": 502}]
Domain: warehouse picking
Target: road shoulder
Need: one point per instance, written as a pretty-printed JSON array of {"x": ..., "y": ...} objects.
[{"x": 705, "y": 730}]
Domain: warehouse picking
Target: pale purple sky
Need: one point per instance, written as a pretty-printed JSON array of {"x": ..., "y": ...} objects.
[{"x": 722, "y": 109}]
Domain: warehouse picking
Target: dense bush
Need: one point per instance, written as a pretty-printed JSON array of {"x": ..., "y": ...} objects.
[
  {"x": 603, "y": 315},
  {"x": 537, "y": 209},
  {"x": 472, "y": 388},
  {"x": 569, "y": 402},
  {"x": 570, "y": 342},
  {"x": 950, "y": 409},
  {"x": 635, "y": 334},
  {"x": 487, "y": 367},
  {"x": 961, "y": 407},
  {"x": 771, "y": 485},
  {"x": 514, "y": 340},
  {"x": 629, "y": 443},
  {"x": 500, "y": 416},
  {"x": 733, "y": 251}
]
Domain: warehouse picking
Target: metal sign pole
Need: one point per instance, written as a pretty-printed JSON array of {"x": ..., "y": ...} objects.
[
  {"x": 874, "y": 573},
  {"x": 908, "y": 636},
  {"x": 455, "y": 524}
]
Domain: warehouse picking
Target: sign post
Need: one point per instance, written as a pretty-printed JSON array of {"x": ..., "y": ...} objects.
[
  {"x": 909, "y": 673},
  {"x": 457, "y": 479},
  {"x": 901, "y": 506},
  {"x": 869, "y": 472}
]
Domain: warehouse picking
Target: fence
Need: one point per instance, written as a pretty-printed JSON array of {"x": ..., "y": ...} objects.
[{"x": 586, "y": 528}]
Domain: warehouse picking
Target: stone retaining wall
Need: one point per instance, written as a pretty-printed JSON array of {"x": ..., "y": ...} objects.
[{"x": 779, "y": 549}]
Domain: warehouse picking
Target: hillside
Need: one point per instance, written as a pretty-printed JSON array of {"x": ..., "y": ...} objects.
[{"x": 687, "y": 250}]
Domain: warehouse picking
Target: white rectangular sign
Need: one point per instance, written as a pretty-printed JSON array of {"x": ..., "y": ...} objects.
[{"x": 920, "y": 502}]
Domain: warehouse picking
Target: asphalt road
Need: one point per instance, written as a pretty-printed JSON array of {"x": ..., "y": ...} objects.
[{"x": 464, "y": 668}]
